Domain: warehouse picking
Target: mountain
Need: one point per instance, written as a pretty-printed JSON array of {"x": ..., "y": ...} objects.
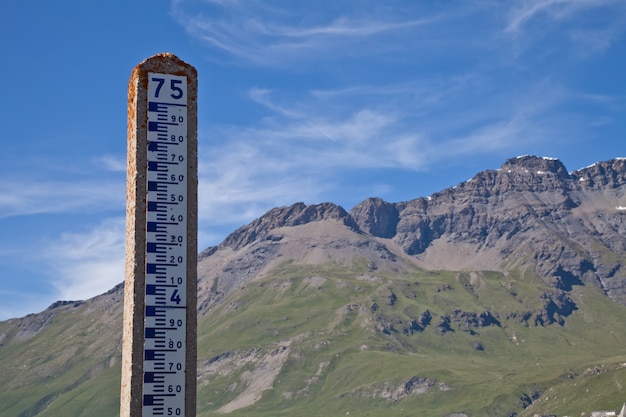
[
  {"x": 531, "y": 214},
  {"x": 500, "y": 296}
]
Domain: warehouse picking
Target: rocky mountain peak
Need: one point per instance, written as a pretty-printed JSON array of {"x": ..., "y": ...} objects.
[
  {"x": 294, "y": 215},
  {"x": 376, "y": 217},
  {"x": 606, "y": 174},
  {"x": 526, "y": 173},
  {"x": 520, "y": 174},
  {"x": 524, "y": 213},
  {"x": 535, "y": 164}
]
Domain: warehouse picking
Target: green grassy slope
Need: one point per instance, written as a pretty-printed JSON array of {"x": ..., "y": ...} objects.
[
  {"x": 336, "y": 340},
  {"x": 341, "y": 359},
  {"x": 64, "y": 361}
]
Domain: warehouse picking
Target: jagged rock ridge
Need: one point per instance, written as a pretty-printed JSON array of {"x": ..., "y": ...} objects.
[{"x": 531, "y": 214}]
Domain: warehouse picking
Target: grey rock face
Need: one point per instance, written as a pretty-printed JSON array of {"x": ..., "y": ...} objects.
[
  {"x": 531, "y": 213},
  {"x": 569, "y": 228}
]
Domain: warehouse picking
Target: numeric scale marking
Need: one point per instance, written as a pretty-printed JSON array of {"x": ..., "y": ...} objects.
[
  {"x": 166, "y": 263},
  {"x": 159, "y": 345}
]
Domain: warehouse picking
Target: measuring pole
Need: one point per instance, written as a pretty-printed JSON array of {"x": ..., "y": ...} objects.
[{"x": 160, "y": 321}]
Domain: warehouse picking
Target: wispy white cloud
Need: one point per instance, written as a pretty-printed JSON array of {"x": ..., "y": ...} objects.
[
  {"x": 525, "y": 11},
  {"x": 84, "y": 264},
  {"x": 594, "y": 40},
  {"x": 501, "y": 137},
  {"x": 70, "y": 266},
  {"x": 295, "y": 34},
  {"x": 341, "y": 27},
  {"x": 576, "y": 29},
  {"x": 265, "y": 35},
  {"x": 115, "y": 163},
  {"x": 19, "y": 197}
]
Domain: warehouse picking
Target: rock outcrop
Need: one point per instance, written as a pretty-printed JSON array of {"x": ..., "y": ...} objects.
[{"x": 530, "y": 215}]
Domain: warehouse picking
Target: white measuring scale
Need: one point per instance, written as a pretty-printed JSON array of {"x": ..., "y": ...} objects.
[{"x": 166, "y": 247}]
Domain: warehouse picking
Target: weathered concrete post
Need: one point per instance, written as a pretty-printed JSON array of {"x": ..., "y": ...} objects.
[{"x": 160, "y": 321}]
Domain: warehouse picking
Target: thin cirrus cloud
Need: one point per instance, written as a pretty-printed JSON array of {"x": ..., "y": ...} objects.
[
  {"x": 590, "y": 26},
  {"x": 257, "y": 33},
  {"x": 263, "y": 35},
  {"x": 310, "y": 135},
  {"x": 524, "y": 12},
  {"x": 114, "y": 163},
  {"x": 27, "y": 197},
  {"x": 305, "y": 144},
  {"x": 88, "y": 262}
]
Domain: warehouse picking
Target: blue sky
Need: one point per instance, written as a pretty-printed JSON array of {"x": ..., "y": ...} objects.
[{"x": 298, "y": 101}]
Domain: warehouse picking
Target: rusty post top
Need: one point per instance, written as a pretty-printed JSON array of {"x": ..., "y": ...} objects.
[{"x": 166, "y": 62}]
